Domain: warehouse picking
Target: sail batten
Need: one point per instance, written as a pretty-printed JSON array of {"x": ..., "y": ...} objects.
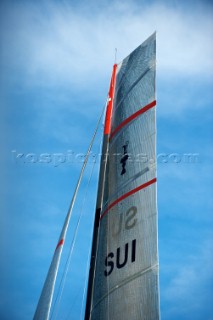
[
  {"x": 132, "y": 87},
  {"x": 129, "y": 193},
  {"x": 124, "y": 184},
  {"x": 132, "y": 117}
]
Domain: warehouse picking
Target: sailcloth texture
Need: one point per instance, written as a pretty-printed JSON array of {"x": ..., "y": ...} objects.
[{"x": 126, "y": 271}]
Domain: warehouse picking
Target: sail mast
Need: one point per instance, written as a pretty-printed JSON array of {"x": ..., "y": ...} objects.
[
  {"x": 43, "y": 308},
  {"x": 104, "y": 156}
]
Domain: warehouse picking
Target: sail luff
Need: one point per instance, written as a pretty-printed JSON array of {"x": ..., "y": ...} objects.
[
  {"x": 104, "y": 157},
  {"x": 44, "y": 305}
]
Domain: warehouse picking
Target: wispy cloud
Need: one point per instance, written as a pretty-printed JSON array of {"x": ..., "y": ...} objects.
[
  {"x": 57, "y": 42},
  {"x": 191, "y": 283},
  {"x": 53, "y": 53}
]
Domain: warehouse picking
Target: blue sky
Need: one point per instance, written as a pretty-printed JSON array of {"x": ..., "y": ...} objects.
[{"x": 56, "y": 61}]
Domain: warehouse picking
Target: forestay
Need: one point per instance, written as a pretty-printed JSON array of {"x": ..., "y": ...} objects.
[{"x": 126, "y": 273}]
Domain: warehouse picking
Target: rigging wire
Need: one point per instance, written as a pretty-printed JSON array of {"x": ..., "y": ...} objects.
[
  {"x": 88, "y": 261},
  {"x": 64, "y": 275},
  {"x": 85, "y": 284},
  {"x": 67, "y": 265},
  {"x": 73, "y": 303},
  {"x": 44, "y": 305}
]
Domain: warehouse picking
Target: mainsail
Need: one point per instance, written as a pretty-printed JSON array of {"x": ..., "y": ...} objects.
[{"x": 124, "y": 274}]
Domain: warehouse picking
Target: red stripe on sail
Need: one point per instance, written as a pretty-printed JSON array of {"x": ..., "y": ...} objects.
[
  {"x": 60, "y": 243},
  {"x": 132, "y": 117},
  {"x": 131, "y": 192},
  {"x": 110, "y": 101}
]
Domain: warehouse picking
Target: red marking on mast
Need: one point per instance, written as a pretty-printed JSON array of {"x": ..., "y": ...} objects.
[
  {"x": 110, "y": 101},
  {"x": 132, "y": 117},
  {"x": 129, "y": 193},
  {"x": 60, "y": 243}
]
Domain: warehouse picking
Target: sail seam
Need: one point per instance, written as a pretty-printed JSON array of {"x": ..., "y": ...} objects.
[
  {"x": 132, "y": 117},
  {"x": 124, "y": 282},
  {"x": 129, "y": 193}
]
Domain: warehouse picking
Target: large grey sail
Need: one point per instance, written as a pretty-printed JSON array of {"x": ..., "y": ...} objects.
[{"x": 126, "y": 272}]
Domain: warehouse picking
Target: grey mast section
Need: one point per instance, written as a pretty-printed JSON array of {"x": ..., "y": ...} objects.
[{"x": 90, "y": 288}]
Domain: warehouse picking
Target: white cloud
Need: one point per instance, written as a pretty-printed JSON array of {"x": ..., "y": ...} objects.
[
  {"x": 191, "y": 283},
  {"x": 57, "y": 43}
]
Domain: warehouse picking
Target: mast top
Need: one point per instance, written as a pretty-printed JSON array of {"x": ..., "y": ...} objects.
[
  {"x": 116, "y": 55},
  {"x": 107, "y": 126}
]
